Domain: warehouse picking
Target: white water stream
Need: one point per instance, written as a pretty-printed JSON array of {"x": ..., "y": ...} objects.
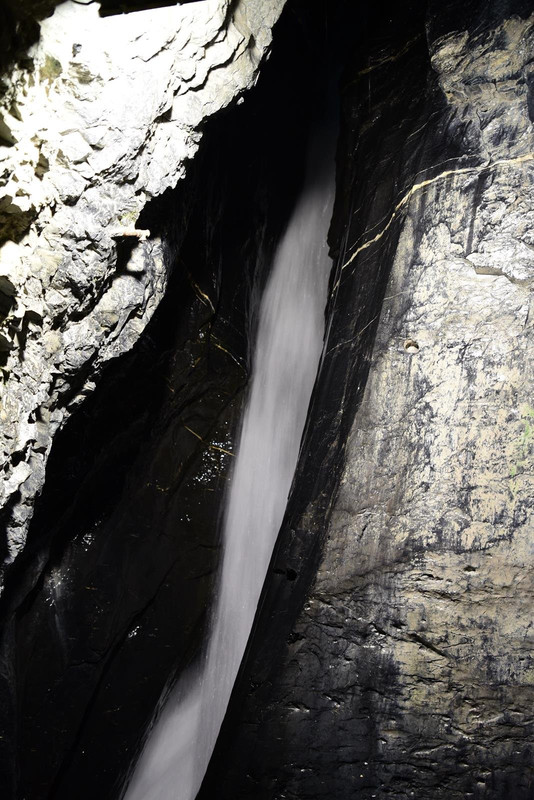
[{"x": 288, "y": 347}]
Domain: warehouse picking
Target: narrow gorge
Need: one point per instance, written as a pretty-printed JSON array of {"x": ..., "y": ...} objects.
[{"x": 159, "y": 163}]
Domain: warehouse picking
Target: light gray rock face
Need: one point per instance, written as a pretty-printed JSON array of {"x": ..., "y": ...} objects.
[
  {"x": 421, "y": 613},
  {"x": 103, "y": 118}
]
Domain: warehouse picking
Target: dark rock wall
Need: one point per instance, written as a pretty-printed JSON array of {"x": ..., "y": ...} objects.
[
  {"x": 391, "y": 655},
  {"x": 122, "y": 547}
]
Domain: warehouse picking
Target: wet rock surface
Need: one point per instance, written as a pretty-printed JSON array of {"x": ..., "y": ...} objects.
[{"x": 392, "y": 655}]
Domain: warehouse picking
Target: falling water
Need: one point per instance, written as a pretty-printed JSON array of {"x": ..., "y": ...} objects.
[{"x": 288, "y": 346}]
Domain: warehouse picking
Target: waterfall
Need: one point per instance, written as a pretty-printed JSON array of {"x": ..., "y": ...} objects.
[{"x": 288, "y": 347}]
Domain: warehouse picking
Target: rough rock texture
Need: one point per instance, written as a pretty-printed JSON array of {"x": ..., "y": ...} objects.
[
  {"x": 100, "y": 118},
  {"x": 404, "y": 666}
]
